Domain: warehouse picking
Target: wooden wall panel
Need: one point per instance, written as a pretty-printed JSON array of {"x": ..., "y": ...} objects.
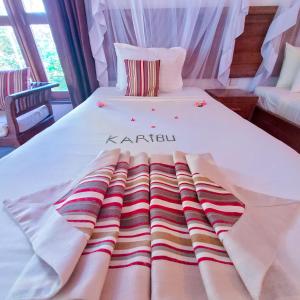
[{"x": 247, "y": 56}]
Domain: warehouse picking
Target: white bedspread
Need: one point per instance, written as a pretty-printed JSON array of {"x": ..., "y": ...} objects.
[
  {"x": 281, "y": 102},
  {"x": 255, "y": 159}
]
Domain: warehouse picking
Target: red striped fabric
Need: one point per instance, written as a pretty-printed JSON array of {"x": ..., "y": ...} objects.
[
  {"x": 12, "y": 82},
  {"x": 141, "y": 213},
  {"x": 142, "y": 77}
]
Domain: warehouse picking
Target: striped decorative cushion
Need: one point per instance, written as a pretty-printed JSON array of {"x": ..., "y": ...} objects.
[
  {"x": 142, "y": 77},
  {"x": 12, "y": 82}
]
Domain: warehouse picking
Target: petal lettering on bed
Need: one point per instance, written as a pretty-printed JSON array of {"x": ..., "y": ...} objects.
[
  {"x": 126, "y": 139},
  {"x": 141, "y": 137},
  {"x": 111, "y": 139}
]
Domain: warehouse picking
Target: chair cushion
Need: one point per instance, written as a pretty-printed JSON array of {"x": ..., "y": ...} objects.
[
  {"x": 12, "y": 82},
  {"x": 25, "y": 121},
  {"x": 3, "y": 124}
]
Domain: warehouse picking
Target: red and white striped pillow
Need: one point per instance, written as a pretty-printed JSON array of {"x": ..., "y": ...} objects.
[
  {"x": 142, "y": 77},
  {"x": 12, "y": 82}
]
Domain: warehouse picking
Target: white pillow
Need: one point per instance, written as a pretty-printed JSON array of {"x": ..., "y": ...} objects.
[
  {"x": 171, "y": 64},
  {"x": 296, "y": 84},
  {"x": 290, "y": 66}
]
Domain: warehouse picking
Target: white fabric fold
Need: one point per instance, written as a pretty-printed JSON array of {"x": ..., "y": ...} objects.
[
  {"x": 57, "y": 245},
  {"x": 258, "y": 241},
  {"x": 47, "y": 271}
]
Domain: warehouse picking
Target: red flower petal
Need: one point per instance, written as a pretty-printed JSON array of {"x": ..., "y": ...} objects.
[
  {"x": 100, "y": 104},
  {"x": 200, "y": 104}
]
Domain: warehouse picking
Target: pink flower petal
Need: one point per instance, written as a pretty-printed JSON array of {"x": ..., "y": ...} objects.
[
  {"x": 200, "y": 104},
  {"x": 132, "y": 120},
  {"x": 100, "y": 104}
]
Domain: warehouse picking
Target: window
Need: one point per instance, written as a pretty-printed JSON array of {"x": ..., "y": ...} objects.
[
  {"x": 26, "y": 39},
  {"x": 3, "y": 11},
  {"x": 10, "y": 54},
  {"x": 47, "y": 50},
  {"x": 34, "y": 6}
]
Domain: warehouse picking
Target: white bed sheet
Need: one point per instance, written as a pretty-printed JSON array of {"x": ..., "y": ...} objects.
[
  {"x": 281, "y": 102},
  {"x": 56, "y": 155}
]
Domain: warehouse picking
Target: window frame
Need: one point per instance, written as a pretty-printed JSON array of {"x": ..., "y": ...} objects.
[
  {"x": 20, "y": 21},
  {"x": 4, "y": 21}
]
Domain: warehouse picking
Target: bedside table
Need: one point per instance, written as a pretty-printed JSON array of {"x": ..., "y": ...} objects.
[{"x": 240, "y": 101}]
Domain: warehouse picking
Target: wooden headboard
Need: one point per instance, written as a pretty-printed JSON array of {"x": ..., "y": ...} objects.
[{"x": 247, "y": 57}]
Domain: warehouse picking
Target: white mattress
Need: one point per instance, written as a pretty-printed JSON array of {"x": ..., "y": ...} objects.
[
  {"x": 25, "y": 121},
  {"x": 281, "y": 102},
  {"x": 255, "y": 159}
]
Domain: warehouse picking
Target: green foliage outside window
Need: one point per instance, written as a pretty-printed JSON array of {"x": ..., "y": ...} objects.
[
  {"x": 11, "y": 57},
  {"x": 46, "y": 46},
  {"x": 10, "y": 54}
]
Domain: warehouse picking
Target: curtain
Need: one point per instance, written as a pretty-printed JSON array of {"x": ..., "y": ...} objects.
[
  {"x": 284, "y": 28},
  {"x": 206, "y": 28},
  {"x": 70, "y": 32}
]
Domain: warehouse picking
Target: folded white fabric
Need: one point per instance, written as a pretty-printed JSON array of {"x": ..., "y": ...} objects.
[
  {"x": 163, "y": 227},
  {"x": 263, "y": 243},
  {"x": 58, "y": 237}
]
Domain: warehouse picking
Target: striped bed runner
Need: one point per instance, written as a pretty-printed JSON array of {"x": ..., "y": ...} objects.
[
  {"x": 153, "y": 225},
  {"x": 136, "y": 227}
]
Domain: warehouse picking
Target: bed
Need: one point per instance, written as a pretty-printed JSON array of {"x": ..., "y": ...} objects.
[
  {"x": 278, "y": 113},
  {"x": 108, "y": 120}
]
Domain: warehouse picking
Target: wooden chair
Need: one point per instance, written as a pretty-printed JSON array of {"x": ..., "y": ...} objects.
[{"x": 22, "y": 103}]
